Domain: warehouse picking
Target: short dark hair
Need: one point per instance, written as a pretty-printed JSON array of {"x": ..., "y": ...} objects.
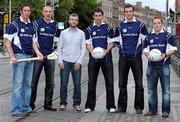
[
  {"x": 128, "y": 6},
  {"x": 24, "y": 5},
  {"x": 97, "y": 10},
  {"x": 74, "y": 15}
]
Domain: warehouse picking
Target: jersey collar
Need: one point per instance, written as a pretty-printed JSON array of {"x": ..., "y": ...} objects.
[
  {"x": 162, "y": 31},
  {"x": 94, "y": 24},
  {"x": 21, "y": 19},
  {"x": 134, "y": 20},
  {"x": 50, "y": 21}
]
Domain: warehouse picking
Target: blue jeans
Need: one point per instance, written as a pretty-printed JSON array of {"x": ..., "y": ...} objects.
[
  {"x": 22, "y": 75},
  {"x": 49, "y": 67},
  {"x": 153, "y": 73},
  {"x": 76, "y": 75}
]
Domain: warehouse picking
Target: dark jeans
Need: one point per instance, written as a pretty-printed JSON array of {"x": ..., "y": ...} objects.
[
  {"x": 76, "y": 75},
  {"x": 135, "y": 63},
  {"x": 163, "y": 73},
  {"x": 93, "y": 71},
  {"x": 49, "y": 67}
]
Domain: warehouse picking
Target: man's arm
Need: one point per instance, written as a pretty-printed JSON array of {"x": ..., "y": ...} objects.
[
  {"x": 83, "y": 49},
  {"x": 88, "y": 41},
  {"x": 77, "y": 65},
  {"x": 38, "y": 53},
  {"x": 59, "y": 49},
  {"x": 110, "y": 39},
  {"x": 10, "y": 51}
]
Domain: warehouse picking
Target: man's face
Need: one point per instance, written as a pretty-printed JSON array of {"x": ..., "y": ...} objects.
[
  {"x": 73, "y": 21},
  {"x": 98, "y": 17},
  {"x": 47, "y": 12},
  {"x": 129, "y": 13},
  {"x": 157, "y": 25},
  {"x": 26, "y": 12}
]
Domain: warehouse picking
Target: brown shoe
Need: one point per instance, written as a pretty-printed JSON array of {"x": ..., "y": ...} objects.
[
  {"x": 120, "y": 110},
  {"x": 139, "y": 111},
  {"x": 62, "y": 107},
  {"x": 150, "y": 114},
  {"x": 165, "y": 114},
  {"x": 77, "y": 108}
]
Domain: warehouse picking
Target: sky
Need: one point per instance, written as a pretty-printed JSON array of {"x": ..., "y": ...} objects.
[{"x": 157, "y": 4}]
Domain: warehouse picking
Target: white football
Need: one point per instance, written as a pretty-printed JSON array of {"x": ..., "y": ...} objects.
[
  {"x": 155, "y": 55},
  {"x": 98, "y": 53}
]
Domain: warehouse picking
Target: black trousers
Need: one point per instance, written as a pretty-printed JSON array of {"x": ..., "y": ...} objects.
[
  {"x": 49, "y": 67},
  {"x": 135, "y": 63},
  {"x": 93, "y": 71}
]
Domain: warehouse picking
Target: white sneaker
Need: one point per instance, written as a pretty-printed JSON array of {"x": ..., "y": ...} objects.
[
  {"x": 87, "y": 110},
  {"x": 112, "y": 110}
]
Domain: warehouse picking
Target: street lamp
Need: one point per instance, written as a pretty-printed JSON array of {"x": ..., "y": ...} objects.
[
  {"x": 166, "y": 16},
  {"x": 10, "y": 11}
]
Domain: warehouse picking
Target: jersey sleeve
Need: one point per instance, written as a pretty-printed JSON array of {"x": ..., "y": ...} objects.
[
  {"x": 11, "y": 30},
  {"x": 171, "y": 45},
  {"x": 117, "y": 35},
  {"x": 146, "y": 45},
  {"x": 110, "y": 37},
  {"x": 57, "y": 34},
  {"x": 143, "y": 31},
  {"x": 88, "y": 36},
  {"x": 35, "y": 37}
]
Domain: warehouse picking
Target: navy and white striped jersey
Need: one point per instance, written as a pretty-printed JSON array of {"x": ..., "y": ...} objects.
[
  {"x": 99, "y": 36},
  {"x": 21, "y": 35},
  {"x": 163, "y": 41},
  {"x": 130, "y": 36},
  {"x": 46, "y": 35}
]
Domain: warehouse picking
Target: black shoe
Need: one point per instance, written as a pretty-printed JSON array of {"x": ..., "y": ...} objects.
[
  {"x": 120, "y": 110},
  {"x": 50, "y": 108},
  {"x": 139, "y": 111},
  {"x": 32, "y": 106}
]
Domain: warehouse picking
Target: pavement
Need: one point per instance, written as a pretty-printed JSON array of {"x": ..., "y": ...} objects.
[
  {"x": 5, "y": 55},
  {"x": 100, "y": 114}
]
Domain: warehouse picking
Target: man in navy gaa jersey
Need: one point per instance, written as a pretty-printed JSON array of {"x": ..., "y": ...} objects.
[
  {"x": 162, "y": 40},
  {"x": 19, "y": 43},
  {"x": 99, "y": 34},
  {"x": 130, "y": 33},
  {"x": 47, "y": 35}
]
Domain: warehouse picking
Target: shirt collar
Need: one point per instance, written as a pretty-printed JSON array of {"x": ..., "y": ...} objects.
[
  {"x": 134, "y": 20},
  {"x": 162, "y": 31},
  {"x": 100, "y": 24},
  {"x": 72, "y": 29},
  {"x": 50, "y": 21},
  {"x": 21, "y": 19}
]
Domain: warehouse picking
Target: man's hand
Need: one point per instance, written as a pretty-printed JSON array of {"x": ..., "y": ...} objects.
[
  {"x": 163, "y": 56},
  {"x": 13, "y": 60},
  {"x": 148, "y": 56},
  {"x": 61, "y": 66},
  {"x": 40, "y": 56},
  {"x": 77, "y": 66}
]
